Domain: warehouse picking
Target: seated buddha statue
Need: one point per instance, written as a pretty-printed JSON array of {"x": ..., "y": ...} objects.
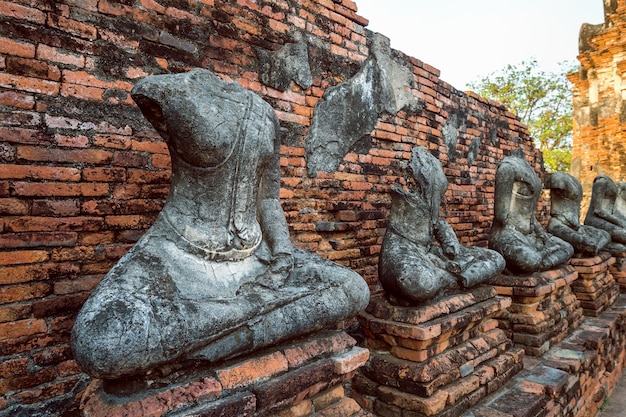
[
  {"x": 515, "y": 232},
  {"x": 606, "y": 211},
  {"x": 216, "y": 276},
  {"x": 566, "y": 194},
  {"x": 421, "y": 258}
]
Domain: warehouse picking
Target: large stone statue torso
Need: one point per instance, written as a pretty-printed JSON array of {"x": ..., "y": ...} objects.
[{"x": 216, "y": 276}]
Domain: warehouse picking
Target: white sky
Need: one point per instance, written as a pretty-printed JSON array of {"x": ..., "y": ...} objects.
[{"x": 468, "y": 39}]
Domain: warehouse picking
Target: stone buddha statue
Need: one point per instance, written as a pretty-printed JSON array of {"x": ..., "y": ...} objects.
[
  {"x": 566, "y": 194},
  {"x": 607, "y": 211},
  {"x": 421, "y": 258},
  {"x": 216, "y": 276},
  {"x": 515, "y": 232}
]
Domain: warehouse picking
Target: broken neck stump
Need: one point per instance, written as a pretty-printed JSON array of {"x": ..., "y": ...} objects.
[{"x": 436, "y": 359}]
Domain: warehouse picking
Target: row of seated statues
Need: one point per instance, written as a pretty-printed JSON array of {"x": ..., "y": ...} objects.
[{"x": 217, "y": 276}]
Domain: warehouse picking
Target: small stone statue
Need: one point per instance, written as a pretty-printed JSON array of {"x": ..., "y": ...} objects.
[
  {"x": 216, "y": 275},
  {"x": 421, "y": 258},
  {"x": 515, "y": 232},
  {"x": 566, "y": 194},
  {"x": 606, "y": 211}
]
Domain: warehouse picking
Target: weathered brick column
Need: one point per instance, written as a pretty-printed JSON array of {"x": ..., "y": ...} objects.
[
  {"x": 436, "y": 360},
  {"x": 618, "y": 270},
  {"x": 544, "y": 309},
  {"x": 595, "y": 287}
]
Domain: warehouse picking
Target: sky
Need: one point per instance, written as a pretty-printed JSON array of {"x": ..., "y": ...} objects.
[{"x": 469, "y": 39}]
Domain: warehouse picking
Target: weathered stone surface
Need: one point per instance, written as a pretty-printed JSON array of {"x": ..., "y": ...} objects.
[
  {"x": 515, "y": 232},
  {"x": 566, "y": 194},
  {"x": 351, "y": 109},
  {"x": 217, "y": 274},
  {"x": 421, "y": 258},
  {"x": 278, "y": 68}
]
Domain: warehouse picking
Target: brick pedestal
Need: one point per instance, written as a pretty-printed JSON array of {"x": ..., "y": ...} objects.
[
  {"x": 544, "y": 309},
  {"x": 435, "y": 360},
  {"x": 573, "y": 378},
  {"x": 618, "y": 270},
  {"x": 296, "y": 380},
  {"x": 595, "y": 287}
]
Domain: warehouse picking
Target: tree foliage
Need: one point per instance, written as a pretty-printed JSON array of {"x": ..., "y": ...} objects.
[{"x": 542, "y": 100}]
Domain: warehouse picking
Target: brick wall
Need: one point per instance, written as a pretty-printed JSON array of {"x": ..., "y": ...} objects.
[
  {"x": 83, "y": 175},
  {"x": 599, "y": 141}
]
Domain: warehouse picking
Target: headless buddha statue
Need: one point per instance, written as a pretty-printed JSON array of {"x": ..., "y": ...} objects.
[
  {"x": 216, "y": 275},
  {"x": 421, "y": 258},
  {"x": 566, "y": 194},
  {"x": 515, "y": 231},
  {"x": 607, "y": 211}
]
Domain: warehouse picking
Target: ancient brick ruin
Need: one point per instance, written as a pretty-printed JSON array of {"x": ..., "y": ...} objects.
[
  {"x": 83, "y": 175},
  {"x": 599, "y": 110}
]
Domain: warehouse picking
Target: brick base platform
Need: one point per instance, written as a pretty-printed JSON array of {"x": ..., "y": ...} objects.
[
  {"x": 595, "y": 286},
  {"x": 543, "y": 311},
  {"x": 573, "y": 378},
  {"x": 618, "y": 270},
  {"x": 300, "y": 379},
  {"x": 435, "y": 360}
]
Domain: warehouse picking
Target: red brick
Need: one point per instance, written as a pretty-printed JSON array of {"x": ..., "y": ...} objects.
[
  {"x": 17, "y": 11},
  {"x": 27, "y": 381},
  {"x": 102, "y": 238},
  {"x": 77, "y": 253},
  {"x": 35, "y": 272},
  {"x": 38, "y": 173},
  {"x": 20, "y": 118},
  {"x": 24, "y": 292},
  {"x": 52, "y": 54},
  {"x": 33, "y": 85},
  {"x": 22, "y": 328},
  {"x": 76, "y": 285},
  {"x": 112, "y": 141},
  {"x": 72, "y": 26},
  {"x": 130, "y": 222},
  {"x": 15, "y": 99},
  {"x": 82, "y": 92},
  {"x": 30, "y": 240},
  {"x": 251, "y": 371},
  {"x": 161, "y": 161},
  {"x": 16, "y": 48},
  {"x": 130, "y": 159},
  {"x": 35, "y": 223},
  {"x": 148, "y": 146},
  {"x": 32, "y": 68},
  {"x": 89, "y": 156},
  {"x": 59, "y": 304},
  {"x": 141, "y": 176},
  {"x": 79, "y": 141},
  {"x": 84, "y": 78},
  {"x": 16, "y": 257},
  {"x": 13, "y": 367},
  {"x": 52, "y": 356},
  {"x": 13, "y": 206},
  {"x": 49, "y": 189},
  {"x": 58, "y": 208},
  {"x": 104, "y": 174},
  {"x": 14, "y": 312},
  {"x": 25, "y": 136}
]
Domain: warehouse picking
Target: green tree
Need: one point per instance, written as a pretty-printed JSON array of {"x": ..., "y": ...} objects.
[{"x": 542, "y": 100}]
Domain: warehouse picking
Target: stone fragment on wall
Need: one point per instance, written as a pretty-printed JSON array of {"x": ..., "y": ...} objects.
[{"x": 350, "y": 110}]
